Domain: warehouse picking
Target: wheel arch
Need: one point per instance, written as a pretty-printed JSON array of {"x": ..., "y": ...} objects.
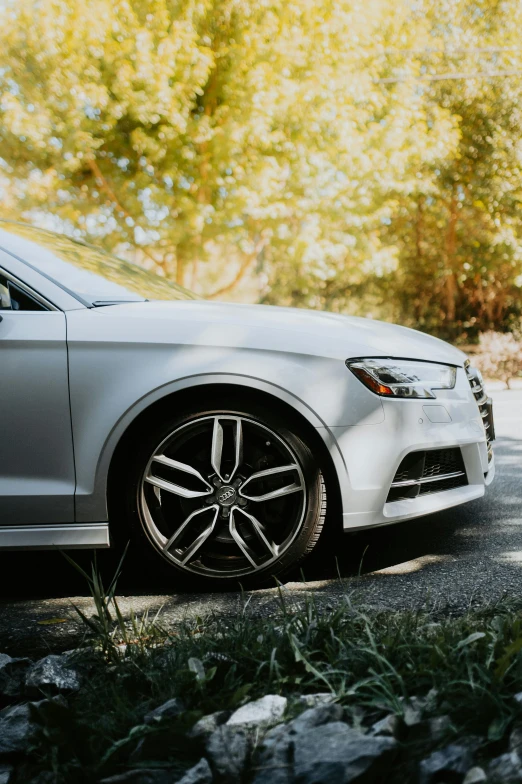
[{"x": 294, "y": 410}]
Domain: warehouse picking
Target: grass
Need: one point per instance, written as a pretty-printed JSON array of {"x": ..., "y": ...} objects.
[{"x": 371, "y": 661}]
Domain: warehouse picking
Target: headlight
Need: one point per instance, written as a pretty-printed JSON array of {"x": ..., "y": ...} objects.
[{"x": 403, "y": 377}]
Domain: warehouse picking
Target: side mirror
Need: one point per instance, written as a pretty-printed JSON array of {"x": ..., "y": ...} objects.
[{"x": 5, "y": 296}]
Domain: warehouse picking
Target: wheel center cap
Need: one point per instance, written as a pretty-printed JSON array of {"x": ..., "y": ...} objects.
[{"x": 226, "y": 495}]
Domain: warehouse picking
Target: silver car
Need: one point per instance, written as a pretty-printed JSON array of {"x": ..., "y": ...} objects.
[{"x": 215, "y": 436}]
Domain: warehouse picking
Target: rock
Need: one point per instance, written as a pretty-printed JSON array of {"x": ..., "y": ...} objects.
[
  {"x": 275, "y": 761},
  {"x": 315, "y": 700},
  {"x": 12, "y": 676},
  {"x": 316, "y": 717},
  {"x": 412, "y": 712},
  {"x": 6, "y": 771},
  {"x": 515, "y": 739},
  {"x": 475, "y": 775},
  {"x": 337, "y": 754},
  {"x": 266, "y": 712},
  {"x": 506, "y": 769},
  {"x": 430, "y": 700},
  {"x": 19, "y": 723},
  {"x": 16, "y": 729},
  {"x": 203, "y": 728},
  {"x": 450, "y": 763},
  {"x": 141, "y": 776},
  {"x": 518, "y": 697},
  {"x": 438, "y": 727},
  {"x": 199, "y": 774},
  {"x": 52, "y": 674},
  {"x": 274, "y": 764},
  {"x": 432, "y": 730},
  {"x": 228, "y": 749},
  {"x": 391, "y": 726},
  {"x": 169, "y": 710}
]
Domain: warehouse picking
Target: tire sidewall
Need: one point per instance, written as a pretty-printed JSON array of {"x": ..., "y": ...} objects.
[{"x": 146, "y": 444}]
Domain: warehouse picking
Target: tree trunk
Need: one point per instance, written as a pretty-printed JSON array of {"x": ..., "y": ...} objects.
[
  {"x": 450, "y": 286},
  {"x": 180, "y": 269},
  {"x": 419, "y": 252}
]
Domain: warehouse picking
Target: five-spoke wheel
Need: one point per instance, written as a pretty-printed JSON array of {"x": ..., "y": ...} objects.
[{"x": 230, "y": 495}]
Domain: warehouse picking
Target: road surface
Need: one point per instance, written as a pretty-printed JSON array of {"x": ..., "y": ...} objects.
[{"x": 452, "y": 560}]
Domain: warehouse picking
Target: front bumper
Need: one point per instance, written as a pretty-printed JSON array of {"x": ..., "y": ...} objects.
[{"x": 373, "y": 453}]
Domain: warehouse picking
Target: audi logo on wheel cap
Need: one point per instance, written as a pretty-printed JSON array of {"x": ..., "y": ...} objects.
[{"x": 226, "y": 496}]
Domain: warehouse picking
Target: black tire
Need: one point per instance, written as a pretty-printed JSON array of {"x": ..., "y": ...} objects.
[{"x": 152, "y": 516}]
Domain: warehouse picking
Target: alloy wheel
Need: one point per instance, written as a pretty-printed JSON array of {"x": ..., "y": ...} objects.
[{"x": 223, "y": 496}]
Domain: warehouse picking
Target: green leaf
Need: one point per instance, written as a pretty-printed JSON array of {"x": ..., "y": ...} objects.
[
  {"x": 497, "y": 728},
  {"x": 471, "y": 638},
  {"x": 196, "y": 666}
]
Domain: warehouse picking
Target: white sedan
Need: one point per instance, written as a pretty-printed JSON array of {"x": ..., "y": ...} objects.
[{"x": 216, "y": 436}]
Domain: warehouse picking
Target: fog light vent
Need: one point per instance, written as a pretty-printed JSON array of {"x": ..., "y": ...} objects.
[{"x": 431, "y": 471}]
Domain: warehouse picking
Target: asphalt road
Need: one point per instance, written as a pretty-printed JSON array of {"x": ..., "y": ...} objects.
[{"x": 452, "y": 560}]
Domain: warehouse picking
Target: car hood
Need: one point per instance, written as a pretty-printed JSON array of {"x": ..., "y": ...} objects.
[{"x": 267, "y": 327}]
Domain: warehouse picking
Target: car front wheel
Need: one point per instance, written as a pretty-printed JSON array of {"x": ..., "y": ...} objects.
[{"x": 227, "y": 496}]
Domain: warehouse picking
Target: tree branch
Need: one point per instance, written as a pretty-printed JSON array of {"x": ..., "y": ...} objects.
[
  {"x": 104, "y": 185},
  {"x": 241, "y": 272}
]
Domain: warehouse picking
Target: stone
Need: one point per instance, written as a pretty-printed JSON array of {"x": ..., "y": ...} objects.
[
  {"x": 203, "y": 728},
  {"x": 16, "y": 729},
  {"x": 168, "y": 710},
  {"x": 412, "y": 714},
  {"x": 432, "y": 730},
  {"x": 414, "y": 707},
  {"x": 264, "y": 713},
  {"x": 53, "y": 674},
  {"x": 391, "y": 726},
  {"x": 506, "y": 769},
  {"x": 199, "y": 774},
  {"x": 274, "y": 763},
  {"x": 316, "y": 717},
  {"x": 448, "y": 764},
  {"x": 518, "y": 697},
  {"x": 438, "y": 727},
  {"x": 515, "y": 739},
  {"x": 315, "y": 700},
  {"x": 12, "y": 677},
  {"x": 430, "y": 700},
  {"x": 228, "y": 749},
  {"x": 6, "y": 771},
  {"x": 141, "y": 776},
  {"x": 338, "y": 754},
  {"x": 475, "y": 775}
]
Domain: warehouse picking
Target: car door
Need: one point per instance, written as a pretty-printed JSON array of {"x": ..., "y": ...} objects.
[{"x": 37, "y": 478}]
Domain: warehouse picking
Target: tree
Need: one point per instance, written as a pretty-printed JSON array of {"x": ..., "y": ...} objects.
[
  {"x": 234, "y": 126},
  {"x": 459, "y": 235},
  {"x": 338, "y": 148}
]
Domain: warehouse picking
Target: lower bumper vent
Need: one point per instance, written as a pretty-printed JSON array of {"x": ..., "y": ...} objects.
[{"x": 433, "y": 471}]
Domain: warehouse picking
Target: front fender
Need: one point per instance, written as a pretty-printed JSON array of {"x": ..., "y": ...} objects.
[{"x": 91, "y": 498}]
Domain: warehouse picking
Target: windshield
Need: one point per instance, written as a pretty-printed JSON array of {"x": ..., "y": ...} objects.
[{"x": 92, "y": 275}]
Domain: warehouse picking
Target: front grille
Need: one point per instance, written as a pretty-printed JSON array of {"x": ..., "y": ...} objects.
[
  {"x": 443, "y": 461},
  {"x": 484, "y": 404},
  {"x": 426, "y": 472}
]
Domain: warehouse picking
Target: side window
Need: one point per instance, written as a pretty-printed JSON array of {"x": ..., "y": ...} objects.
[
  {"x": 5, "y": 297},
  {"x": 13, "y": 297}
]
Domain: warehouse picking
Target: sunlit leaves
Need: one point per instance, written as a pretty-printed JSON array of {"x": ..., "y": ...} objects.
[{"x": 302, "y": 139}]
